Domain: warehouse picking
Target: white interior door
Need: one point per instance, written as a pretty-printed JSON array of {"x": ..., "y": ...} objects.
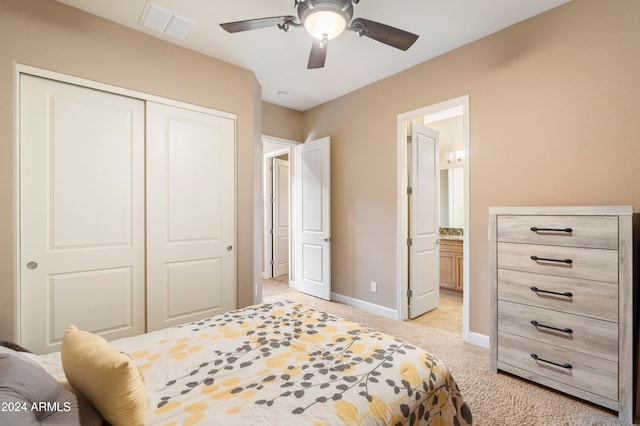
[
  {"x": 312, "y": 218},
  {"x": 280, "y": 224},
  {"x": 81, "y": 213},
  {"x": 424, "y": 228},
  {"x": 190, "y": 215}
]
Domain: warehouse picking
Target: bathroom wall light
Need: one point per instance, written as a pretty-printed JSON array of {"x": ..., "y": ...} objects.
[{"x": 454, "y": 156}]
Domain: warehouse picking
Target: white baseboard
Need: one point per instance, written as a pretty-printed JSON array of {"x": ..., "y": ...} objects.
[
  {"x": 474, "y": 338},
  {"x": 366, "y": 306},
  {"x": 478, "y": 339}
]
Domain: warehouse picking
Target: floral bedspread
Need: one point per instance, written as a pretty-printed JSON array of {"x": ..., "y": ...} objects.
[{"x": 288, "y": 364}]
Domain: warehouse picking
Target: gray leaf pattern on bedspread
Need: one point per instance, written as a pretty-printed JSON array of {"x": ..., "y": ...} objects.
[{"x": 276, "y": 361}]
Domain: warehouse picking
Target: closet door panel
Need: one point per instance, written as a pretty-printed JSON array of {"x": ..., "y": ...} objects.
[
  {"x": 190, "y": 215},
  {"x": 81, "y": 212},
  {"x": 112, "y": 287},
  {"x": 194, "y": 176},
  {"x": 186, "y": 279}
]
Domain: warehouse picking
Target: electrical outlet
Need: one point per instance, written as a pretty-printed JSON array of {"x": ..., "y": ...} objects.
[{"x": 374, "y": 286}]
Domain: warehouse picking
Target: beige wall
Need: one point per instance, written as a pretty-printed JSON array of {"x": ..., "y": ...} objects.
[
  {"x": 553, "y": 112},
  {"x": 49, "y": 35},
  {"x": 282, "y": 122},
  {"x": 554, "y": 106}
]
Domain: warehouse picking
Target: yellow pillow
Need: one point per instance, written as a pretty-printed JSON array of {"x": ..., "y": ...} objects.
[{"x": 108, "y": 378}]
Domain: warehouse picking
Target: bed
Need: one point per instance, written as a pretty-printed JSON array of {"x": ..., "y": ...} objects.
[{"x": 272, "y": 363}]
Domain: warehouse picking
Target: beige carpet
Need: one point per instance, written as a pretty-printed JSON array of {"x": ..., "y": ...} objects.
[{"x": 494, "y": 399}]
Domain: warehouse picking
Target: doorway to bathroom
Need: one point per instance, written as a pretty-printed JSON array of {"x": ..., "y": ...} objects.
[{"x": 450, "y": 119}]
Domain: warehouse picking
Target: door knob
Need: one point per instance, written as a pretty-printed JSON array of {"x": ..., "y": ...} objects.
[
  {"x": 32, "y": 265},
  {"x": 326, "y": 239},
  {"x": 229, "y": 248}
]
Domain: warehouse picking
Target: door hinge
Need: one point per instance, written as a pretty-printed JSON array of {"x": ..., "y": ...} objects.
[
  {"x": 409, "y": 190},
  {"x": 271, "y": 231},
  {"x": 409, "y": 293},
  {"x": 272, "y": 262},
  {"x": 409, "y": 241},
  {"x": 409, "y": 138}
]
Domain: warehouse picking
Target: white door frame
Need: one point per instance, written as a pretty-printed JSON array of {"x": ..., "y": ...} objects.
[
  {"x": 402, "y": 224},
  {"x": 288, "y": 146}
]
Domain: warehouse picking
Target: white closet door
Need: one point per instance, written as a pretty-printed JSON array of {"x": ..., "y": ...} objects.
[
  {"x": 190, "y": 215},
  {"x": 81, "y": 213}
]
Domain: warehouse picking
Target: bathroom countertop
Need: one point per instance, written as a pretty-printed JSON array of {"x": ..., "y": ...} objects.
[
  {"x": 452, "y": 234},
  {"x": 452, "y": 237}
]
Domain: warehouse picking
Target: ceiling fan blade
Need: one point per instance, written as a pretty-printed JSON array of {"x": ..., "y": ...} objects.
[
  {"x": 386, "y": 34},
  {"x": 318, "y": 54},
  {"x": 256, "y": 24}
]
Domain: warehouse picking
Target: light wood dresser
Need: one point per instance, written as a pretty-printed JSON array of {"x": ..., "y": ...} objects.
[{"x": 561, "y": 300}]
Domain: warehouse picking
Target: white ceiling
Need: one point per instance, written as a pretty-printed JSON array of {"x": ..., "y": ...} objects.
[{"x": 279, "y": 59}]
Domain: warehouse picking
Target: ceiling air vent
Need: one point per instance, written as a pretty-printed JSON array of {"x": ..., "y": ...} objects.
[{"x": 166, "y": 22}]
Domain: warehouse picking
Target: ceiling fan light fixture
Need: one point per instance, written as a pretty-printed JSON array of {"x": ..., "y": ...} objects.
[
  {"x": 326, "y": 20},
  {"x": 321, "y": 22},
  {"x": 325, "y": 17}
]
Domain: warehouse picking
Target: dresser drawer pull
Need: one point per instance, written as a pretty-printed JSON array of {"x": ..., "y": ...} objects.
[
  {"x": 536, "y": 229},
  {"x": 565, "y": 365},
  {"x": 564, "y": 330},
  {"x": 544, "y": 259},
  {"x": 566, "y": 293}
]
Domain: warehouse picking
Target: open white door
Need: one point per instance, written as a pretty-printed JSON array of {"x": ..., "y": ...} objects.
[
  {"x": 424, "y": 253},
  {"x": 312, "y": 219},
  {"x": 280, "y": 225}
]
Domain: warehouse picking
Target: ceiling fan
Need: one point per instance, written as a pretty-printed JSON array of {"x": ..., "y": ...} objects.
[{"x": 326, "y": 20}]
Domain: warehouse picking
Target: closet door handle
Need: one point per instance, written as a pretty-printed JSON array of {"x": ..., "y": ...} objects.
[
  {"x": 566, "y": 293},
  {"x": 565, "y": 365},
  {"x": 536, "y": 229},
  {"x": 545, "y": 259},
  {"x": 564, "y": 330}
]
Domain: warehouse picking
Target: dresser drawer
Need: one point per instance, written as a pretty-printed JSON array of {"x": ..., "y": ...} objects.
[
  {"x": 582, "y": 334},
  {"x": 592, "y": 374},
  {"x": 588, "y": 298},
  {"x": 584, "y": 263},
  {"x": 585, "y": 231}
]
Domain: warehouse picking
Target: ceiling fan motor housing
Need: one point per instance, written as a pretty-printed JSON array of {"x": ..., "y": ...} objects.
[{"x": 309, "y": 10}]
